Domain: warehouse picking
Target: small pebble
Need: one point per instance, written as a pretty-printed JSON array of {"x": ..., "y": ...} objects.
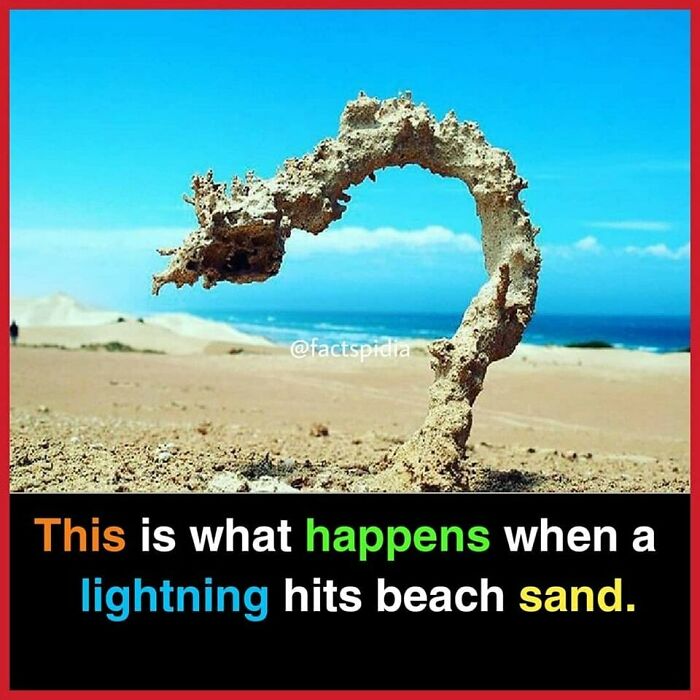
[{"x": 319, "y": 430}]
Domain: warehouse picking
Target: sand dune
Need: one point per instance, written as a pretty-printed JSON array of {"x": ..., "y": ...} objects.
[
  {"x": 59, "y": 310},
  {"x": 195, "y": 327},
  {"x": 61, "y": 320},
  {"x": 138, "y": 336}
]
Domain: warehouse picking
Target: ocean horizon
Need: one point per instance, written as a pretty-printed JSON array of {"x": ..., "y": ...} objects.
[{"x": 650, "y": 333}]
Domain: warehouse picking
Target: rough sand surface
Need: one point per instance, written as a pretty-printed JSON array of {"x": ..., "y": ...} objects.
[{"x": 548, "y": 419}]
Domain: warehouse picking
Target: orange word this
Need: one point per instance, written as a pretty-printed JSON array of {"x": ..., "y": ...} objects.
[{"x": 61, "y": 532}]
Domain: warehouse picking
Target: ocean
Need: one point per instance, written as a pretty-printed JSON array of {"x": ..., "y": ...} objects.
[{"x": 652, "y": 333}]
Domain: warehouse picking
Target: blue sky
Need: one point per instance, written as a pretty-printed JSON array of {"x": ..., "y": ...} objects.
[{"x": 112, "y": 112}]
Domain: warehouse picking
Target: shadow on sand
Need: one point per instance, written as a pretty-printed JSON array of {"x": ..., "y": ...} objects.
[{"x": 513, "y": 480}]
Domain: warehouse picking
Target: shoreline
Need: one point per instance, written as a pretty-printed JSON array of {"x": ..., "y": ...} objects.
[
  {"x": 123, "y": 337},
  {"x": 326, "y": 333},
  {"x": 60, "y": 321}
]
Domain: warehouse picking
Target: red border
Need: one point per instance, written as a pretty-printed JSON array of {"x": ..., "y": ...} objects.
[{"x": 691, "y": 5}]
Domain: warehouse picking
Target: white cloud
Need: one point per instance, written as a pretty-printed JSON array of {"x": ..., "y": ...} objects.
[
  {"x": 660, "y": 250},
  {"x": 344, "y": 240},
  {"x": 355, "y": 239},
  {"x": 57, "y": 240},
  {"x": 631, "y": 225},
  {"x": 589, "y": 244},
  {"x": 340, "y": 240}
]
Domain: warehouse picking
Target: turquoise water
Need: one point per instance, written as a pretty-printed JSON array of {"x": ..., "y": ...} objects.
[{"x": 654, "y": 333}]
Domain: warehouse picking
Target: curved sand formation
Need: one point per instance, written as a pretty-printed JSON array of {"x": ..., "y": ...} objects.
[{"x": 242, "y": 234}]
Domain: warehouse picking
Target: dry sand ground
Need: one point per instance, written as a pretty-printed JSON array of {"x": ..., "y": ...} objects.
[{"x": 549, "y": 419}]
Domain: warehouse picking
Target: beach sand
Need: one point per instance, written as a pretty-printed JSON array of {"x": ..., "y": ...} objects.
[{"x": 236, "y": 413}]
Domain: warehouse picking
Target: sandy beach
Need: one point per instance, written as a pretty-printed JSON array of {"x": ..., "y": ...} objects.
[{"x": 180, "y": 406}]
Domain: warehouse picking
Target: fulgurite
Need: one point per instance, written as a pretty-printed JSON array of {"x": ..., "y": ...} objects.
[{"x": 242, "y": 233}]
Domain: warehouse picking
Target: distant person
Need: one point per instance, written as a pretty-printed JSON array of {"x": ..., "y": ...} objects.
[{"x": 14, "y": 333}]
